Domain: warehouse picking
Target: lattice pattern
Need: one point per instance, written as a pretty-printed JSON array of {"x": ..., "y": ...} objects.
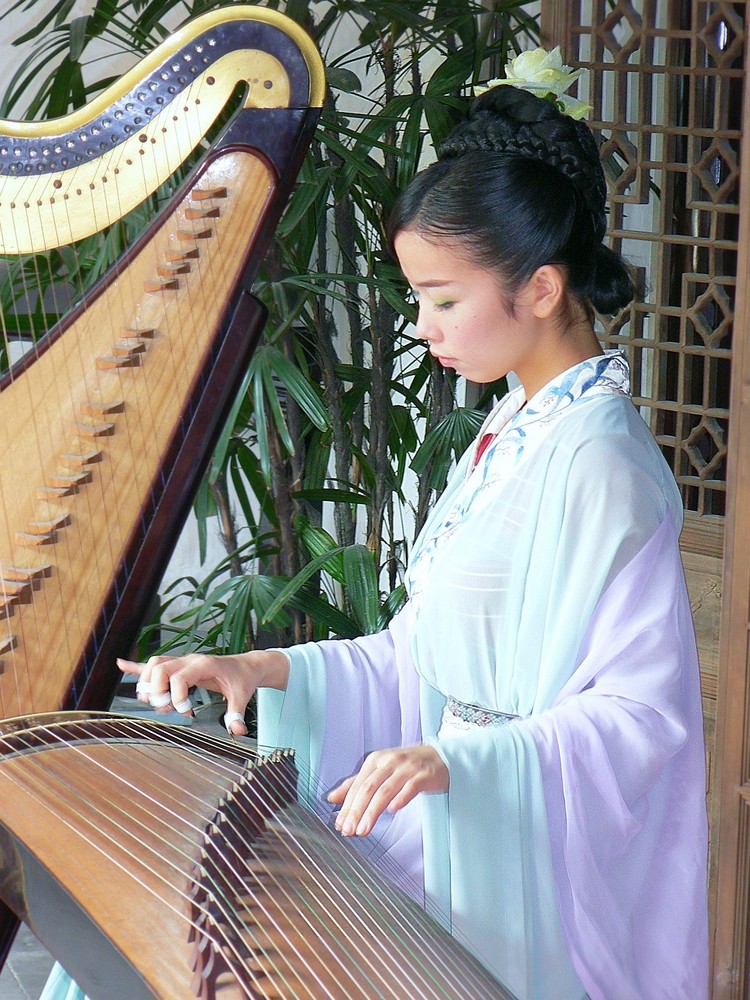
[{"x": 666, "y": 88}]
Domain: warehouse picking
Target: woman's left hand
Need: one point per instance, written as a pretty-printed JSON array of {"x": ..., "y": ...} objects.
[{"x": 388, "y": 780}]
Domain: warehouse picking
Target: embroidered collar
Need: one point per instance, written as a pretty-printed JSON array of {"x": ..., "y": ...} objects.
[
  {"x": 516, "y": 428},
  {"x": 510, "y": 421}
]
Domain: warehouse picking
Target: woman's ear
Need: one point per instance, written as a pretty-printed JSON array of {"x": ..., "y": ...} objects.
[{"x": 546, "y": 288}]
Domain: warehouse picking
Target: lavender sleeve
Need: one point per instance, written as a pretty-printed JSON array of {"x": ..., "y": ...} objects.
[{"x": 346, "y": 698}]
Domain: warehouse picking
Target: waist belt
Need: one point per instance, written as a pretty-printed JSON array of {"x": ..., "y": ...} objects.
[{"x": 476, "y": 715}]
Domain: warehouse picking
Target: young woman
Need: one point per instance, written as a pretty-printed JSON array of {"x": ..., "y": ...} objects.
[{"x": 525, "y": 739}]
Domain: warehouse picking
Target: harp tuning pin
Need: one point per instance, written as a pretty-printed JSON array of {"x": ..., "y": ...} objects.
[
  {"x": 138, "y": 333},
  {"x": 168, "y": 270},
  {"x": 206, "y": 194},
  {"x": 28, "y": 538},
  {"x": 127, "y": 348},
  {"x": 108, "y": 362},
  {"x": 68, "y": 480},
  {"x": 209, "y": 212},
  {"x": 19, "y": 593},
  {"x": 23, "y": 574},
  {"x": 56, "y": 492},
  {"x": 188, "y": 253},
  {"x": 7, "y": 644},
  {"x": 7, "y": 607},
  {"x": 98, "y": 407},
  {"x": 81, "y": 457},
  {"x": 188, "y": 235},
  {"x": 47, "y": 522},
  {"x": 94, "y": 430},
  {"x": 161, "y": 285}
]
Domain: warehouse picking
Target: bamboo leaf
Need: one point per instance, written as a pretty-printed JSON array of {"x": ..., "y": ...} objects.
[
  {"x": 343, "y": 79},
  {"x": 361, "y": 581},
  {"x": 78, "y": 37},
  {"x": 293, "y": 586},
  {"x": 298, "y": 388},
  {"x": 451, "y": 73},
  {"x": 222, "y": 446},
  {"x": 325, "y": 614},
  {"x": 261, "y": 425},
  {"x": 318, "y": 542},
  {"x": 391, "y": 605},
  {"x": 332, "y": 495}
]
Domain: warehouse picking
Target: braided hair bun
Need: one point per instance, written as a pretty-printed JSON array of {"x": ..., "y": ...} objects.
[
  {"x": 521, "y": 185},
  {"x": 508, "y": 120}
]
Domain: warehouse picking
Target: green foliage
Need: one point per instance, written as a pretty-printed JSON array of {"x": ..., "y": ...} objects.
[{"x": 345, "y": 428}]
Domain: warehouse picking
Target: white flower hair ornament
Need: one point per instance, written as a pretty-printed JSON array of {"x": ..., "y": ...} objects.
[{"x": 542, "y": 73}]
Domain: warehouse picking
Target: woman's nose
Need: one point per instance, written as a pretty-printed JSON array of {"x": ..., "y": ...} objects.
[{"x": 426, "y": 329}]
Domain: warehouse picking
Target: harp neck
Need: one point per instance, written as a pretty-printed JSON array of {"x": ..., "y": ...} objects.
[{"x": 57, "y": 177}]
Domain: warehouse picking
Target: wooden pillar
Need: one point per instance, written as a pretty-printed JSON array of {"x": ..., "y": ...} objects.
[
  {"x": 556, "y": 21},
  {"x": 731, "y": 961}
]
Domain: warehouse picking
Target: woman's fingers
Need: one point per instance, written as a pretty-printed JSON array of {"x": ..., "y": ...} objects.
[
  {"x": 234, "y": 723},
  {"x": 338, "y": 794},
  {"x": 388, "y": 780},
  {"x": 130, "y": 666},
  {"x": 165, "y": 683},
  {"x": 368, "y": 795}
]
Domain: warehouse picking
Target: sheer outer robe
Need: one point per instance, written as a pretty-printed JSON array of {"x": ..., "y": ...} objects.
[{"x": 559, "y": 597}]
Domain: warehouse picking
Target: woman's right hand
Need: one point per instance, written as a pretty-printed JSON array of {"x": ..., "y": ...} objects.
[{"x": 165, "y": 681}]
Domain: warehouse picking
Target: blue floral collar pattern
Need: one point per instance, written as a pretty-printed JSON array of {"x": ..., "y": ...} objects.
[
  {"x": 514, "y": 423},
  {"x": 516, "y": 426}
]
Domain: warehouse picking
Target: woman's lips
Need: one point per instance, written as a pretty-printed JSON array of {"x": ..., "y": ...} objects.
[{"x": 445, "y": 362}]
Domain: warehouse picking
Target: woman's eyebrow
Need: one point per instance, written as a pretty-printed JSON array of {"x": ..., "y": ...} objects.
[{"x": 435, "y": 283}]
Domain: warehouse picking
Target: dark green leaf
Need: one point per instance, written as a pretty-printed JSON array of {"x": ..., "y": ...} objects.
[
  {"x": 361, "y": 581},
  {"x": 343, "y": 79}
]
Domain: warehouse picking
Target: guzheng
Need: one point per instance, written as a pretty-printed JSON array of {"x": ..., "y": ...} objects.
[
  {"x": 159, "y": 862},
  {"x": 107, "y": 424}
]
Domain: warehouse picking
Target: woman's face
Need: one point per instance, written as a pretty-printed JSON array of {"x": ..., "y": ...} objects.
[{"x": 463, "y": 314}]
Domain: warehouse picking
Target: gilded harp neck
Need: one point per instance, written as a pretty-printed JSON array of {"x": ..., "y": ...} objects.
[{"x": 56, "y": 177}]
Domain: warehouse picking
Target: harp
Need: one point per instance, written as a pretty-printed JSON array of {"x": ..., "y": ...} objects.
[
  {"x": 201, "y": 874},
  {"x": 107, "y": 424}
]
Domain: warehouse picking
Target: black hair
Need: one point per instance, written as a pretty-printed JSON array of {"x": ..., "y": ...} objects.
[{"x": 520, "y": 185}]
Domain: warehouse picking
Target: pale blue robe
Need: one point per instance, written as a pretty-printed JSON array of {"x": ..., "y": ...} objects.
[{"x": 570, "y": 851}]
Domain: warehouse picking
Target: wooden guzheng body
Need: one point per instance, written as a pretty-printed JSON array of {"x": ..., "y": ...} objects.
[{"x": 163, "y": 863}]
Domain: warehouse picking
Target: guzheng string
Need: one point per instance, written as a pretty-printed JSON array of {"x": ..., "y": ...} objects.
[{"x": 331, "y": 883}]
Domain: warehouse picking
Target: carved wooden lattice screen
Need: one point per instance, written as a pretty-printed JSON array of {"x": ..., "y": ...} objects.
[{"x": 666, "y": 83}]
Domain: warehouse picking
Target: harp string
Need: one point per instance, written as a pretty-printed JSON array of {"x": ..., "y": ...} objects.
[
  {"x": 98, "y": 494},
  {"x": 335, "y": 890}
]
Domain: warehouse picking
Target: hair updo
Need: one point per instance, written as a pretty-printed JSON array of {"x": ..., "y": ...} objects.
[{"x": 520, "y": 185}]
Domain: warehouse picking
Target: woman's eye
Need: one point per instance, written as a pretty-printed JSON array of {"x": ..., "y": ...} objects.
[{"x": 443, "y": 305}]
